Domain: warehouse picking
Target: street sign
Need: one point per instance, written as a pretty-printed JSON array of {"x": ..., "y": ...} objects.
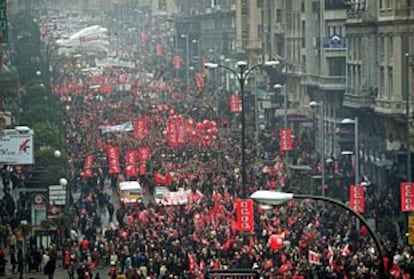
[
  {"x": 3, "y": 22},
  {"x": 57, "y": 195}
]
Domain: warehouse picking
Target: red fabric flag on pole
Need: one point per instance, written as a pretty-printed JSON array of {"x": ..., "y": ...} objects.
[
  {"x": 234, "y": 103},
  {"x": 88, "y": 166},
  {"x": 407, "y": 196},
  {"x": 199, "y": 79},
  {"x": 144, "y": 154},
  {"x": 314, "y": 258},
  {"x": 131, "y": 163},
  {"x": 356, "y": 198},
  {"x": 140, "y": 128},
  {"x": 172, "y": 133},
  {"x": 245, "y": 215},
  {"x": 112, "y": 154}
]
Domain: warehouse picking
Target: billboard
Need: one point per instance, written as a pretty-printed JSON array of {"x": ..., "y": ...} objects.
[{"x": 16, "y": 148}]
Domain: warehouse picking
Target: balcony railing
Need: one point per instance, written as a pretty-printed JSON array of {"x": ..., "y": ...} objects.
[
  {"x": 334, "y": 42},
  {"x": 325, "y": 82}
]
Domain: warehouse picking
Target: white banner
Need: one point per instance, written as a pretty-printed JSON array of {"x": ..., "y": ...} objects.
[
  {"x": 124, "y": 127},
  {"x": 176, "y": 198},
  {"x": 16, "y": 148},
  {"x": 57, "y": 195}
]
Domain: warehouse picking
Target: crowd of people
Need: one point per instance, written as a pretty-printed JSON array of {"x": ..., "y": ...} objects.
[{"x": 154, "y": 240}]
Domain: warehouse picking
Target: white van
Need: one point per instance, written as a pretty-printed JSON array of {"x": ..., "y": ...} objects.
[{"x": 130, "y": 192}]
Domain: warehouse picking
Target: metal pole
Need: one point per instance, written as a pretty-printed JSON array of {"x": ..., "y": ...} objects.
[
  {"x": 187, "y": 60},
  {"x": 356, "y": 148},
  {"x": 322, "y": 141},
  {"x": 256, "y": 116},
  {"x": 407, "y": 111},
  {"x": 241, "y": 79},
  {"x": 285, "y": 120},
  {"x": 359, "y": 218},
  {"x": 356, "y": 157}
]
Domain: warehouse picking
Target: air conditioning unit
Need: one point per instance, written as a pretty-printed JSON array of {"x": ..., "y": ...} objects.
[{"x": 233, "y": 7}]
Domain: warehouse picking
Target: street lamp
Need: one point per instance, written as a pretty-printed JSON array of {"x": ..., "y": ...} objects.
[
  {"x": 278, "y": 198},
  {"x": 348, "y": 121},
  {"x": 241, "y": 76},
  {"x": 187, "y": 58},
  {"x": 314, "y": 105}
]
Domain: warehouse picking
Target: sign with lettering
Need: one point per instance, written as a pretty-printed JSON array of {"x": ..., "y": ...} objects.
[
  {"x": 407, "y": 196},
  {"x": 245, "y": 215},
  {"x": 356, "y": 198},
  {"x": 3, "y": 22}
]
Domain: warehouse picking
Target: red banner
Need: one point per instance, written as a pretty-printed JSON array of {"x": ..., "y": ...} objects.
[
  {"x": 160, "y": 179},
  {"x": 172, "y": 133},
  {"x": 131, "y": 163},
  {"x": 356, "y": 198},
  {"x": 199, "y": 80},
  {"x": 245, "y": 215},
  {"x": 234, "y": 103},
  {"x": 112, "y": 154},
  {"x": 407, "y": 196},
  {"x": 177, "y": 61},
  {"x": 144, "y": 154},
  {"x": 285, "y": 139},
  {"x": 88, "y": 166},
  {"x": 181, "y": 137},
  {"x": 140, "y": 128},
  {"x": 159, "y": 49},
  {"x": 144, "y": 38}
]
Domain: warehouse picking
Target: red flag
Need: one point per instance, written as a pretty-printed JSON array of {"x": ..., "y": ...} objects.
[
  {"x": 140, "y": 128},
  {"x": 131, "y": 163},
  {"x": 144, "y": 154},
  {"x": 285, "y": 139},
  {"x": 144, "y": 38},
  {"x": 245, "y": 215},
  {"x": 112, "y": 154},
  {"x": 172, "y": 133},
  {"x": 356, "y": 198},
  {"x": 234, "y": 103},
  {"x": 407, "y": 196},
  {"x": 346, "y": 251},
  {"x": 177, "y": 62},
  {"x": 88, "y": 166},
  {"x": 159, "y": 49},
  {"x": 314, "y": 258},
  {"x": 199, "y": 79}
]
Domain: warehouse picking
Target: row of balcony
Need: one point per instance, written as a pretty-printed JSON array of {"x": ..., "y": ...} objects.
[
  {"x": 381, "y": 106},
  {"x": 385, "y": 14}
]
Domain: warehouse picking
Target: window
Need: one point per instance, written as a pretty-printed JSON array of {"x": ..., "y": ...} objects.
[
  {"x": 390, "y": 49},
  {"x": 381, "y": 43},
  {"x": 260, "y": 3},
  {"x": 390, "y": 84},
  {"x": 336, "y": 66},
  {"x": 279, "y": 16}
]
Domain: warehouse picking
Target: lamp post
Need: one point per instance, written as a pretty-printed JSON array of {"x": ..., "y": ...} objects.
[
  {"x": 407, "y": 113},
  {"x": 315, "y": 104},
  {"x": 278, "y": 198},
  {"x": 356, "y": 146},
  {"x": 187, "y": 58},
  {"x": 241, "y": 76}
]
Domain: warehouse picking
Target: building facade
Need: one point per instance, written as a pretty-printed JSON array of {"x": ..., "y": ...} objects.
[{"x": 379, "y": 83}]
